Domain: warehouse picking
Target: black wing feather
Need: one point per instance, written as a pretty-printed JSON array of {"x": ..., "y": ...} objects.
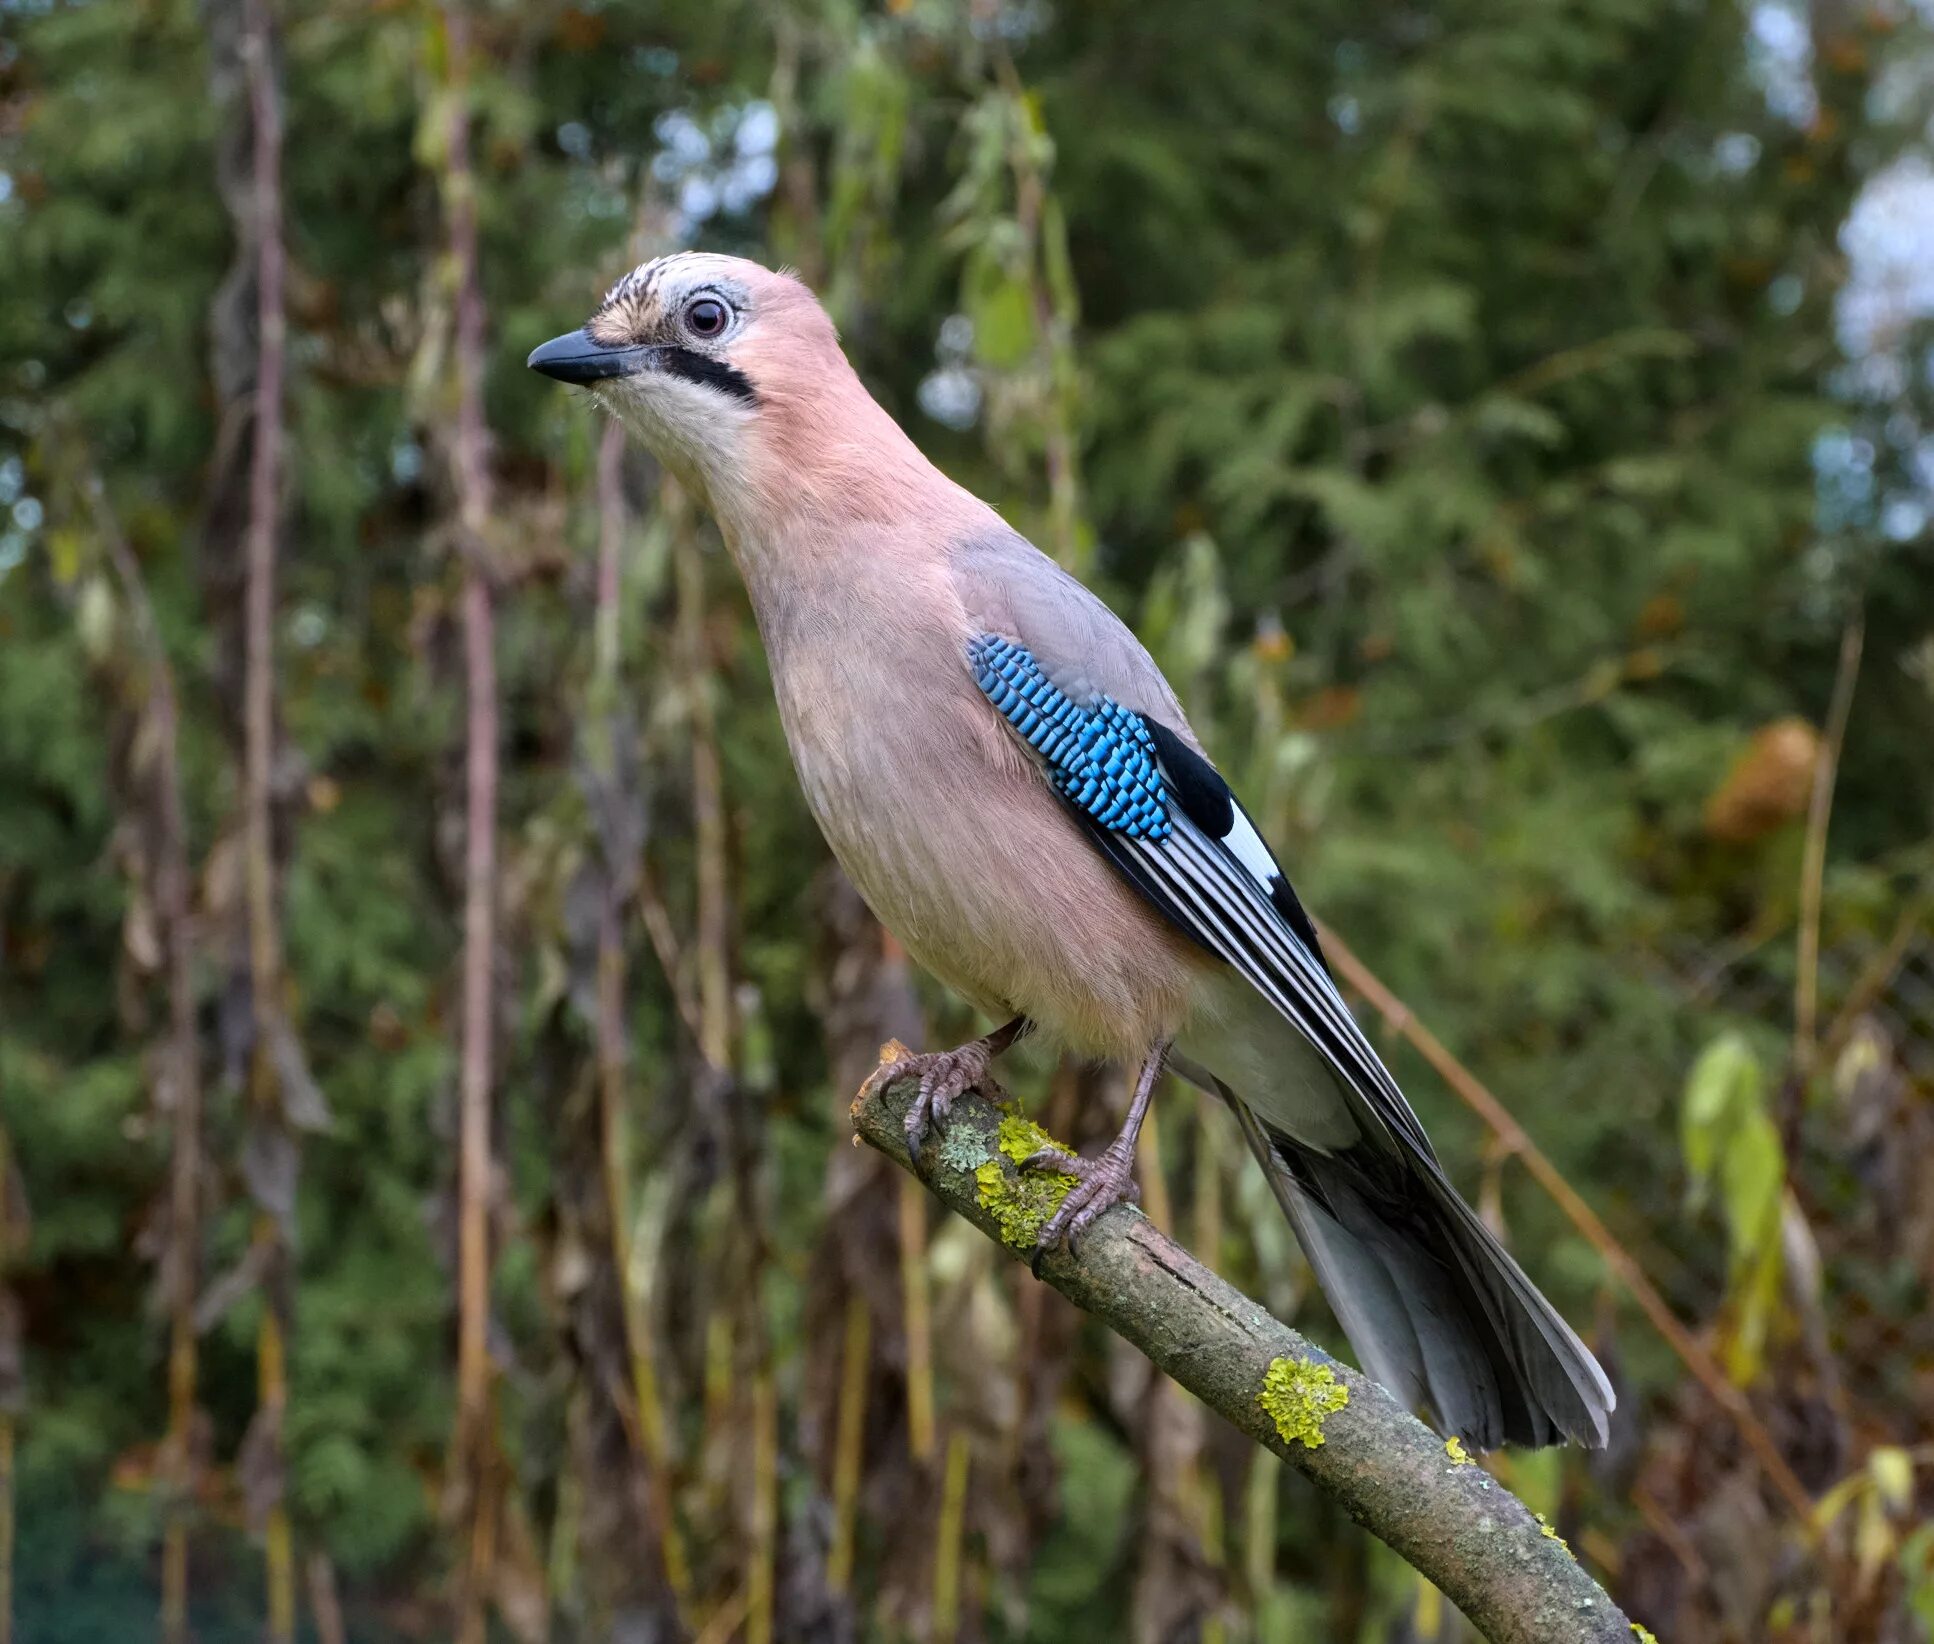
[{"x": 1196, "y": 884}]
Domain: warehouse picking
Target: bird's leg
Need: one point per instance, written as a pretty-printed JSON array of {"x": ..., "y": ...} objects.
[
  {"x": 943, "y": 1075},
  {"x": 1104, "y": 1181}
]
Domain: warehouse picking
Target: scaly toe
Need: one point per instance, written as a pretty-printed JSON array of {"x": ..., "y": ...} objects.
[
  {"x": 1105, "y": 1182},
  {"x": 1057, "y": 1159},
  {"x": 944, "y": 1076}
]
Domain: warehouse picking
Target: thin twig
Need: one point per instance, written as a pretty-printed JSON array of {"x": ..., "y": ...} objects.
[
  {"x": 726, "y": 1620},
  {"x": 1879, "y": 972},
  {"x": 1813, "y": 861},
  {"x": 647, "y": 1429},
  {"x": 849, "y": 1442},
  {"x": 665, "y": 946},
  {"x": 1661, "y": 1524},
  {"x": 917, "y": 1314},
  {"x": 761, "y": 1578},
  {"x": 1615, "y": 1256},
  {"x": 947, "y": 1541},
  {"x": 472, "y": 1443},
  {"x": 325, "y": 1603},
  {"x": 258, "y": 730},
  {"x": 181, "y": 1273},
  {"x": 713, "y": 936},
  {"x": 8, "y": 1415}
]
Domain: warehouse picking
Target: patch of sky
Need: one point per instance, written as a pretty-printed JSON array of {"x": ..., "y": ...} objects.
[
  {"x": 724, "y": 164},
  {"x": 1779, "y": 54},
  {"x": 1736, "y": 153},
  {"x": 951, "y": 392}
]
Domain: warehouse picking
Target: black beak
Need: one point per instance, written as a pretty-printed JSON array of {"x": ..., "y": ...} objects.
[{"x": 577, "y": 357}]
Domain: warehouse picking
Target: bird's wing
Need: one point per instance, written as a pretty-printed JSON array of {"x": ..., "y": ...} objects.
[
  {"x": 1435, "y": 1306},
  {"x": 1095, "y": 711},
  {"x": 1010, "y": 587}
]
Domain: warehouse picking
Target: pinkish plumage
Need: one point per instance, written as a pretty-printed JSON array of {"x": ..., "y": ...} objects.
[{"x": 873, "y": 576}]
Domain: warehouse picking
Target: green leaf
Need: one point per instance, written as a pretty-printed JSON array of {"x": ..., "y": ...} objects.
[
  {"x": 1724, "y": 1081},
  {"x": 1002, "y": 309},
  {"x": 1752, "y": 1172}
]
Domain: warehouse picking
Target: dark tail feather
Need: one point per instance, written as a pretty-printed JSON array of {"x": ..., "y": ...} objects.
[{"x": 1436, "y": 1309}]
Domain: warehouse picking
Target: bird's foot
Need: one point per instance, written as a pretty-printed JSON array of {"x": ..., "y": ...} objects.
[
  {"x": 1099, "y": 1184},
  {"x": 944, "y": 1075}
]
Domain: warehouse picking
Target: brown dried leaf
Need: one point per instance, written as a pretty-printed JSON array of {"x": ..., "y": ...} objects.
[{"x": 1768, "y": 785}]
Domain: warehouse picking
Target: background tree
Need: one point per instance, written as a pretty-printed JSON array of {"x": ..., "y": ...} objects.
[{"x": 1497, "y": 416}]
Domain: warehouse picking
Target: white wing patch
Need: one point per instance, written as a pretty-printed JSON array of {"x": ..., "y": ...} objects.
[{"x": 1245, "y": 844}]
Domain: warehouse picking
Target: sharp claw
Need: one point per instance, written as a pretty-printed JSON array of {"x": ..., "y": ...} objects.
[
  {"x": 943, "y": 1076},
  {"x": 1104, "y": 1183},
  {"x": 1055, "y": 1158}
]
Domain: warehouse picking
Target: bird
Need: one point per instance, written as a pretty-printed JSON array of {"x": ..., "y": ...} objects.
[{"x": 1012, "y": 785}]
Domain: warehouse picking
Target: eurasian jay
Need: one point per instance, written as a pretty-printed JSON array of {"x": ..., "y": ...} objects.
[{"x": 1010, "y": 782}]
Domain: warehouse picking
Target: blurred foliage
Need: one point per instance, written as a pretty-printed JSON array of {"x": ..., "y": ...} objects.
[{"x": 1452, "y": 395}]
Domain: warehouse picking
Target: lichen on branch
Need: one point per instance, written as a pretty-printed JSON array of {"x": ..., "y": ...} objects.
[
  {"x": 1021, "y": 1201},
  {"x": 1299, "y": 1395},
  {"x": 1451, "y": 1520}
]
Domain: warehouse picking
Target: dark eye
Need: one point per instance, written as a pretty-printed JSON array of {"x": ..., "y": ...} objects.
[{"x": 706, "y": 317}]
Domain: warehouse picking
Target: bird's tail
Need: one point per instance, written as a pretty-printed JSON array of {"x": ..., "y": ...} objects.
[{"x": 1435, "y": 1308}]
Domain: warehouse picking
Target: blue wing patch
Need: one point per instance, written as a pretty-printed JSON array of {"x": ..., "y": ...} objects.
[{"x": 1100, "y": 757}]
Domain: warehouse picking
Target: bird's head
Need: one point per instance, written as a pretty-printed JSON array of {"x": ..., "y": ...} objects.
[
  {"x": 712, "y": 361},
  {"x": 732, "y": 375}
]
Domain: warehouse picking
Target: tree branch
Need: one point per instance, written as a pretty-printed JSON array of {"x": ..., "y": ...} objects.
[{"x": 1510, "y": 1574}]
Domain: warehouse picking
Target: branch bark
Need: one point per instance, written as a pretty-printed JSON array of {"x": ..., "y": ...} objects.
[{"x": 1453, "y": 1522}]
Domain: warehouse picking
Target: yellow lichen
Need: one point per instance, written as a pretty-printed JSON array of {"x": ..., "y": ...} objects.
[
  {"x": 1545, "y": 1530},
  {"x": 1643, "y": 1634},
  {"x": 1021, "y": 1201},
  {"x": 1020, "y": 1139},
  {"x": 1298, "y": 1394},
  {"x": 1459, "y": 1456}
]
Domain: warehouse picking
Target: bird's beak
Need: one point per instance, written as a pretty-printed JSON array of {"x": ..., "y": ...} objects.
[{"x": 577, "y": 357}]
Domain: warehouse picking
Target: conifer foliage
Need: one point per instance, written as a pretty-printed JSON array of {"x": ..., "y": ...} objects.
[{"x": 428, "y": 1017}]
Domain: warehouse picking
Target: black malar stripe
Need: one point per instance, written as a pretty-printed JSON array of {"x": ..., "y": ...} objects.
[{"x": 702, "y": 368}]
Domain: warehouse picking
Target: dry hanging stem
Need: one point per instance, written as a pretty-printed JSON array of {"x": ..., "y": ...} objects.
[
  {"x": 7, "y": 1400},
  {"x": 1806, "y": 988},
  {"x": 258, "y": 741},
  {"x": 713, "y": 940},
  {"x": 648, "y": 1429},
  {"x": 471, "y": 1467},
  {"x": 849, "y": 1441},
  {"x": 180, "y": 1264},
  {"x": 916, "y": 1305}
]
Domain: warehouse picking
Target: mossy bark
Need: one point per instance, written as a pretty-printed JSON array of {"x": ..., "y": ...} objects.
[{"x": 1453, "y": 1522}]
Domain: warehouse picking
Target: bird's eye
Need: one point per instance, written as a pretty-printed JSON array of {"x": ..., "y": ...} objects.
[{"x": 706, "y": 317}]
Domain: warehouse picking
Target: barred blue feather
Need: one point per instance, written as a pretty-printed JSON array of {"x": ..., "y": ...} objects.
[{"x": 1099, "y": 756}]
